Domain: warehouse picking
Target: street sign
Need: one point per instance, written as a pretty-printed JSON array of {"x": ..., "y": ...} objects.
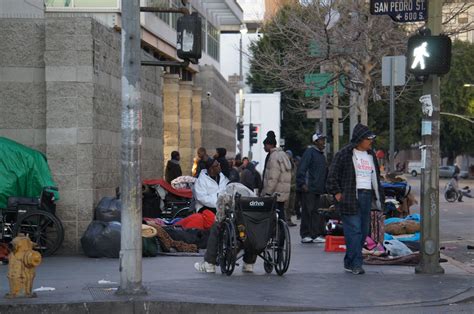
[
  {"x": 316, "y": 114},
  {"x": 403, "y": 11},
  {"x": 399, "y": 66},
  {"x": 319, "y": 84}
]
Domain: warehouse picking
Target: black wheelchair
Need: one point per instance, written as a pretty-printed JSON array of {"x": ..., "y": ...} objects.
[
  {"x": 254, "y": 225},
  {"x": 35, "y": 217}
]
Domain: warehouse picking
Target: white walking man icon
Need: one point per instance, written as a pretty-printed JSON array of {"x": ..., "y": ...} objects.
[{"x": 420, "y": 53}]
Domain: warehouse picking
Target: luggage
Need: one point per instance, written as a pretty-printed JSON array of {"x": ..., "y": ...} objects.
[{"x": 377, "y": 226}]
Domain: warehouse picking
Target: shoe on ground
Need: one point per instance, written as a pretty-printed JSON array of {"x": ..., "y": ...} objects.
[
  {"x": 348, "y": 269},
  {"x": 358, "y": 270},
  {"x": 319, "y": 240},
  {"x": 205, "y": 267},
  {"x": 290, "y": 223},
  {"x": 307, "y": 240},
  {"x": 247, "y": 268}
]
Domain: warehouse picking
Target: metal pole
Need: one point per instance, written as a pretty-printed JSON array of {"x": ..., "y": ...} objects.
[
  {"x": 429, "y": 263},
  {"x": 392, "y": 116},
  {"x": 131, "y": 187},
  {"x": 324, "y": 120},
  {"x": 335, "y": 119},
  {"x": 241, "y": 96}
]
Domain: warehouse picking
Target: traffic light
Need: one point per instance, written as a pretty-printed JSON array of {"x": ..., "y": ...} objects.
[
  {"x": 188, "y": 41},
  {"x": 253, "y": 133},
  {"x": 428, "y": 55},
  {"x": 240, "y": 131}
]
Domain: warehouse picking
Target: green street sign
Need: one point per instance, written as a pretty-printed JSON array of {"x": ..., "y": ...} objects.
[{"x": 320, "y": 84}]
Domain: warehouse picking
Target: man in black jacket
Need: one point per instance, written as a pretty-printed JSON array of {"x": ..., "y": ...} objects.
[
  {"x": 354, "y": 180},
  {"x": 311, "y": 180},
  {"x": 173, "y": 169}
]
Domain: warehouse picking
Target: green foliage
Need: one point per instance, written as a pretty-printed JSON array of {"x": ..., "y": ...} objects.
[{"x": 457, "y": 135}]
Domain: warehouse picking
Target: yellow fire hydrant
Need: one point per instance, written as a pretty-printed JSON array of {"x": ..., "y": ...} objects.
[{"x": 22, "y": 263}]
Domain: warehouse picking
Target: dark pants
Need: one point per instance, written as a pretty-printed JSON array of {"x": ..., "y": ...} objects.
[
  {"x": 356, "y": 229},
  {"x": 212, "y": 242},
  {"x": 312, "y": 223},
  {"x": 281, "y": 208},
  {"x": 298, "y": 198}
]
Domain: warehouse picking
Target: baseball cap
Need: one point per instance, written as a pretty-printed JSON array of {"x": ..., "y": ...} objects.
[{"x": 317, "y": 136}]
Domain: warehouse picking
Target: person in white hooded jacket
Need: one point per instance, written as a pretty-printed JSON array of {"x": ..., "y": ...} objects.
[{"x": 209, "y": 184}]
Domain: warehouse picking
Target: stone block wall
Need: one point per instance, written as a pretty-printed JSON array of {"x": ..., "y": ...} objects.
[
  {"x": 218, "y": 111},
  {"x": 22, "y": 81}
]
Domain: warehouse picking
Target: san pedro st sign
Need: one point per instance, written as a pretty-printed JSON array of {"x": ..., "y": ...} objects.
[{"x": 402, "y": 11}]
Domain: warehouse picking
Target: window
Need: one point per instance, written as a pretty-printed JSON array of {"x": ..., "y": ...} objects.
[
  {"x": 82, "y": 3},
  {"x": 463, "y": 18},
  {"x": 212, "y": 41}
]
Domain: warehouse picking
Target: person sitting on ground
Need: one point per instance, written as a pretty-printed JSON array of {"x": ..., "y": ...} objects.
[
  {"x": 199, "y": 161},
  {"x": 173, "y": 169},
  {"x": 225, "y": 203},
  {"x": 220, "y": 157},
  {"x": 209, "y": 184}
]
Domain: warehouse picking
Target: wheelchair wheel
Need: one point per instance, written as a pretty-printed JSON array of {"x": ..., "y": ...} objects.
[
  {"x": 227, "y": 248},
  {"x": 268, "y": 265},
  {"x": 283, "y": 251},
  {"x": 450, "y": 195},
  {"x": 44, "y": 230}
]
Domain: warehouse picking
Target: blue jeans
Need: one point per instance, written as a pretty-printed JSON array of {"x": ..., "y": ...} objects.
[{"x": 356, "y": 229}]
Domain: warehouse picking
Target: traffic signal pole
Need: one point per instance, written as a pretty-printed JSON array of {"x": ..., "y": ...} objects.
[
  {"x": 131, "y": 187},
  {"x": 429, "y": 263}
]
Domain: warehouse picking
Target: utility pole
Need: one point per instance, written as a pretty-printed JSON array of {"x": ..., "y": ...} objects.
[
  {"x": 131, "y": 187},
  {"x": 429, "y": 263},
  {"x": 335, "y": 119},
  {"x": 392, "y": 116}
]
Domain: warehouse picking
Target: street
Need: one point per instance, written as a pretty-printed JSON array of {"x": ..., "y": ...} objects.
[{"x": 456, "y": 222}]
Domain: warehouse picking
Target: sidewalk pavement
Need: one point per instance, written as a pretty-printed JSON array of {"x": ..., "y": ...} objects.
[{"x": 314, "y": 282}]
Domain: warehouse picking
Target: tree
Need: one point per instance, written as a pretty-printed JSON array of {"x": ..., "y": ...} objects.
[{"x": 457, "y": 135}]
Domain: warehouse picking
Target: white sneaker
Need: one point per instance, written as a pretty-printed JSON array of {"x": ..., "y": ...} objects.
[
  {"x": 205, "y": 267},
  {"x": 247, "y": 268},
  {"x": 307, "y": 240},
  {"x": 319, "y": 240}
]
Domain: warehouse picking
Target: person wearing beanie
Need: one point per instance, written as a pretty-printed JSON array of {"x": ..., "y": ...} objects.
[
  {"x": 354, "y": 180},
  {"x": 276, "y": 173},
  {"x": 311, "y": 180}
]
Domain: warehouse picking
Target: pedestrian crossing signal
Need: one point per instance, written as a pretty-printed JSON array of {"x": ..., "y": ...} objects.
[{"x": 428, "y": 55}]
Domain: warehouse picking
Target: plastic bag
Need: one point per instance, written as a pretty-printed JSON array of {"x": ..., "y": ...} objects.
[
  {"x": 102, "y": 239},
  {"x": 108, "y": 209},
  {"x": 396, "y": 248}
]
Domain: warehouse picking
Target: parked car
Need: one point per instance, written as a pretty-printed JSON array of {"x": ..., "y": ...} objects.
[
  {"x": 414, "y": 167},
  {"x": 448, "y": 171}
]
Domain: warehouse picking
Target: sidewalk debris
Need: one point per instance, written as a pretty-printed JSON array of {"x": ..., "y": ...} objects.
[
  {"x": 44, "y": 289},
  {"x": 106, "y": 282}
]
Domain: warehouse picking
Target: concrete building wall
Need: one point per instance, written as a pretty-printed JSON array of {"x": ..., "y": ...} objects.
[
  {"x": 218, "y": 111},
  {"x": 22, "y": 81},
  {"x": 60, "y": 92}
]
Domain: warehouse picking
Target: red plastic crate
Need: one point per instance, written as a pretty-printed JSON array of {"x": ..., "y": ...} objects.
[{"x": 335, "y": 244}]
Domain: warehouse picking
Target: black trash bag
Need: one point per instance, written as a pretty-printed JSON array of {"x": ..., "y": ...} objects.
[
  {"x": 151, "y": 203},
  {"x": 102, "y": 239},
  {"x": 108, "y": 209}
]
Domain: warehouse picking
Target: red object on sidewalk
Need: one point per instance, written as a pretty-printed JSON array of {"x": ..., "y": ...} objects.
[
  {"x": 203, "y": 221},
  {"x": 186, "y": 193},
  {"x": 335, "y": 244}
]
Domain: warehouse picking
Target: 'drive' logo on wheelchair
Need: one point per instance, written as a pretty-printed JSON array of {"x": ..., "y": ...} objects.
[{"x": 256, "y": 203}]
